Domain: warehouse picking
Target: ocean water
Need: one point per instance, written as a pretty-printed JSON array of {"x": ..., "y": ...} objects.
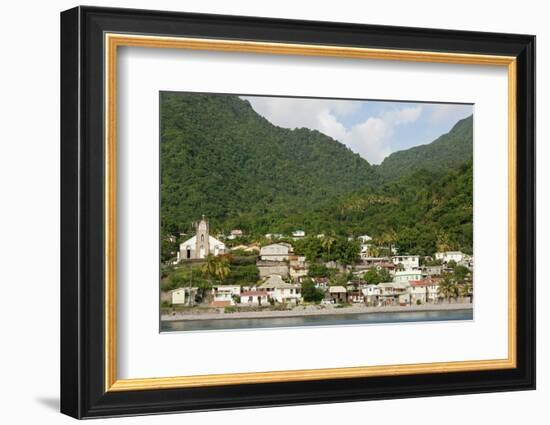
[{"x": 321, "y": 320}]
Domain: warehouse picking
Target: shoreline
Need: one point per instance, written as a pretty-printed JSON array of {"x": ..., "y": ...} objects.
[{"x": 314, "y": 311}]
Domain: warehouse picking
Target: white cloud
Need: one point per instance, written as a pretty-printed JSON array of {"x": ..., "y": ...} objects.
[
  {"x": 448, "y": 113},
  {"x": 370, "y": 138}
]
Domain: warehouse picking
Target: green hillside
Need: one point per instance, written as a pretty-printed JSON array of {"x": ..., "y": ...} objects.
[
  {"x": 419, "y": 213},
  {"x": 222, "y": 159},
  {"x": 449, "y": 151}
]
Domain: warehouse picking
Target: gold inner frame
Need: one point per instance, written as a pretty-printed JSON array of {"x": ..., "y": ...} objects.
[{"x": 113, "y": 41}]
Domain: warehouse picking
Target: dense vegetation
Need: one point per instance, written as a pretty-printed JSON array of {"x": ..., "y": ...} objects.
[
  {"x": 221, "y": 159},
  {"x": 448, "y": 151}
]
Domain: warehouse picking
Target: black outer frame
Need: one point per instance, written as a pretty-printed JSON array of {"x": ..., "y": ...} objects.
[{"x": 82, "y": 212}]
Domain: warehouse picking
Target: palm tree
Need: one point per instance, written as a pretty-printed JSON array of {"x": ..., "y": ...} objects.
[
  {"x": 208, "y": 268},
  {"x": 327, "y": 243},
  {"x": 448, "y": 289},
  {"x": 465, "y": 290},
  {"x": 222, "y": 269}
]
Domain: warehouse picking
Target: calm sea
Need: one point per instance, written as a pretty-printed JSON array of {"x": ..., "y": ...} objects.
[{"x": 321, "y": 320}]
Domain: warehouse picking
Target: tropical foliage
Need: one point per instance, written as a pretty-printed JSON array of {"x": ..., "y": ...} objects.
[{"x": 220, "y": 158}]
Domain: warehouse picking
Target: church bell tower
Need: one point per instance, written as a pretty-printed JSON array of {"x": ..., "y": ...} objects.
[{"x": 202, "y": 247}]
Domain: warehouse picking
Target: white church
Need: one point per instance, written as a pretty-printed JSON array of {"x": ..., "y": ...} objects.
[{"x": 200, "y": 245}]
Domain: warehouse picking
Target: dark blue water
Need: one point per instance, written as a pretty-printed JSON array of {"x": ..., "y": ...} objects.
[{"x": 321, "y": 320}]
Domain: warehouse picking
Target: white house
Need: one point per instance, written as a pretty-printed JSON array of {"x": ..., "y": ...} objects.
[
  {"x": 404, "y": 276},
  {"x": 275, "y": 252},
  {"x": 338, "y": 294},
  {"x": 364, "y": 239},
  {"x": 372, "y": 295},
  {"x": 254, "y": 298},
  {"x": 200, "y": 245},
  {"x": 298, "y": 234},
  {"x": 281, "y": 291},
  {"x": 226, "y": 293},
  {"x": 298, "y": 272},
  {"x": 234, "y": 234},
  {"x": 408, "y": 261},
  {"x": 392, "y": 293},
  {"x": 425, "y": 290},
  {"x": 447, "y": 256},
  {"x": 183, "y": 295},
  {"x": 321, "y": 282}
]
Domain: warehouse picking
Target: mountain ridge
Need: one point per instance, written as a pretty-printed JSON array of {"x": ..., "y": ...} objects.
[
  {"x": 448, "y": 151},
  {"x": 222, "y": 159}
]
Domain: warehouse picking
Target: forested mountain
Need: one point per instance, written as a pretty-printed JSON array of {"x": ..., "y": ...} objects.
[
  {"x": 220, "y": 158},
  {"x": 418, "y": 213},
  {"x": 449, "y": 151}
]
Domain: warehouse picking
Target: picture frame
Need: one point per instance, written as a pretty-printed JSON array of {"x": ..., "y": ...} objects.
[{"x": 90, "y": 39}]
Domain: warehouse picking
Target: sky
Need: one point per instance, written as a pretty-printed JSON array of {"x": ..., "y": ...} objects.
[{"x": 373, "y": 129}]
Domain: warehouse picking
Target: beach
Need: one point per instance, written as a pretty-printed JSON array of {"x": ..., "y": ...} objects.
[{"x": 313, "y": 310}]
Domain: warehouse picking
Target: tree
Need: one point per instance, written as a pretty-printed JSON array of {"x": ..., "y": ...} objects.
[
  {"x": 448, "y": 288},
  {"x": 461, "y": 273},
  {"x": 222, "y": 269},
  {"x": 317, "y": 270},
  {"x": 384, "y": 275},
  {"x": 372, "y": 277},
  {"x": 465, "y": 290},
  {"x": 327, "y": 243},
  {"x": 310, "y": 293}
]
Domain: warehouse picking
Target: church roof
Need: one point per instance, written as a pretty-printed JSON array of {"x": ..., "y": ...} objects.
[{"x": 211, "y": 241}]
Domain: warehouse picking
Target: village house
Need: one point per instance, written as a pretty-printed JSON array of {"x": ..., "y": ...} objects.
[
  {"x": 274, "y": 235},
  {"x": 246, "y": 248},
  {"x": 408, "y": 262},
  {"x": 419, "y": 291},
  {"x": 298, "y": 272},
  {"x": 338, "y": 294},
  {"x": 321, "y": 282},
  {"x": 390, "y": 267},
  {"x": 268, "y": 268},
  {"x": 299, "y": 268},
  {"x": 467, "y": 261},
  {"x": 370, "y": 261},
  {"x": 254, "y": 298},
  {"x": 404, "y": 276},
  {"x": 298, "y": 234},
  {"x": 281, "y": 291},
  {"x": 371, "y": 295},
  {"x": 181, "y": 296},
  {"x": 364, "y": 238},
  {"x": 227, "y": 293},
  {"x": 394, "y": 293},
  {"x": 432, "y": 270},
  {"x": 354, "y": 291},
  {"x": 447, "y": 256},
  {"x": 425, "y": 290},
  {"x": 200, "y": 245},
  {"x": 276, "y": 252},
  {"x": 234, "y": 234}
]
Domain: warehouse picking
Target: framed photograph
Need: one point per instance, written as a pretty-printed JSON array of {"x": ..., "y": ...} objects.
[{"x": 261, "y": 212}]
